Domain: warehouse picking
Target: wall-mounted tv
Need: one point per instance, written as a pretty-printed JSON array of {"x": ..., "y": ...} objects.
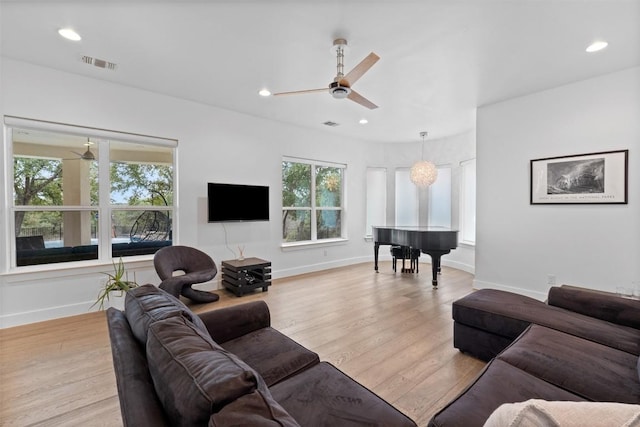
[{"x": 235, "y": 202}]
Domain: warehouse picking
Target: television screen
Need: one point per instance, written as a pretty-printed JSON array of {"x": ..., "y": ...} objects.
[{"x": 234, "y": 202}]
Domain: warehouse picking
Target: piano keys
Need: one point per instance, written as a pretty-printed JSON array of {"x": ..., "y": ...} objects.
[{"x": 433, "y": 241}]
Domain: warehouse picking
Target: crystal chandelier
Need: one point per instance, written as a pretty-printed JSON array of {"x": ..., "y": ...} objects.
[{"x": 423, "y": 173}]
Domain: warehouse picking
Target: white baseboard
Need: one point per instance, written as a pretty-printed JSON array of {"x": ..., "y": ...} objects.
[
  {"x": 459, "y": 266},
  {"x": 55, "y": 312},
  {"x": 310, "y": 268},
  {"x": 357, "y": 260},
  {"x": 49, "y": 313},
  {"x": 477, "y": 284}
]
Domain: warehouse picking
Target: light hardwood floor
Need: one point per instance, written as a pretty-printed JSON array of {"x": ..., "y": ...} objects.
[{"x": 390, "y": 331}]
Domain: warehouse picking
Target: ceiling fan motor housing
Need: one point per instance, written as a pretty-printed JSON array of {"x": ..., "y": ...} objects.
[{"x": 339, "y": 92}]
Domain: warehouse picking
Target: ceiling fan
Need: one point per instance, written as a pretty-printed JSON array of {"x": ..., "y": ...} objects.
[
  {"x": 340, "y": 87},
  {"x": 87, "y": 155}
]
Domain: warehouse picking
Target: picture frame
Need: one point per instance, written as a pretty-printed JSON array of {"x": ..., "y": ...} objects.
[{"x": 591, "y": 178}]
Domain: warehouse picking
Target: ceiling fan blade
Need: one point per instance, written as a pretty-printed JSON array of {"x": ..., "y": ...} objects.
[
  {"x": 364, "y": 65},
  {"x": 356, "y": 97},
  {"x": 299, "y": 92}
]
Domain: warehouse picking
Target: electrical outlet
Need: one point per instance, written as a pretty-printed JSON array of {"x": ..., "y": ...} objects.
[{"x": 551, "y": 279}]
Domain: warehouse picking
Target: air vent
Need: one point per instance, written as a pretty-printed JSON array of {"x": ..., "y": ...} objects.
[
  {"x": 100, "y": 63},
  {"x": 330, "y": 123}
]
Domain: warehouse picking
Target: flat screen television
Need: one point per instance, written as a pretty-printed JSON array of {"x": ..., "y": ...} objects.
[{"x": 235, "y": 202}]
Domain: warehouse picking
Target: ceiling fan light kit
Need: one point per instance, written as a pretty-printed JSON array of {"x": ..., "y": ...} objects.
[
  {"x": 339, "y": 92},
  {"x": 340, "y": 87}
]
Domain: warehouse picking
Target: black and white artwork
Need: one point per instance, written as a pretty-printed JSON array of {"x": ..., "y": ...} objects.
[
  {"x": 580, "y": 179},
  {"x": 575, "y": 177}
]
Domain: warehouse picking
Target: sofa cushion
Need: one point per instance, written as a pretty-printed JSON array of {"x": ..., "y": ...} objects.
[
  {"x": 508, "y": 314},
  {"x": 481, "y": 344},
  {"x": 593, "y": 303},
  {"x": 503, "y": 313},
  {"x": 257, "y": 409},
  {"x": 585, "y": 368},
  {"x": 498, "y": 383},
  {"x": 323, "y": 396},
  {"x": 536, "y": 413},
  {"x": 272, "y": 354},
  {"x": 148, "y": 303},
  {"x": 193, "y": 376}
]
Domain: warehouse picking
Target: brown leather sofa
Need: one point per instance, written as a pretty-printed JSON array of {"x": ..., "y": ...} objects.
[
  {"x": 581, "y": 345},
  {"x": 227, "y": 367}
]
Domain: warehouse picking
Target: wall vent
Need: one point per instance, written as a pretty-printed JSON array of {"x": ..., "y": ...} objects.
[
  {"x": 330, "y": 123},
  {"x": 100, "y": 63}
]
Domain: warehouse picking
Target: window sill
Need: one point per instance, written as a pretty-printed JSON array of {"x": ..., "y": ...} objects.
[
  {"x": 294, "y": 246},
  {"x": 73, "y": 268}
]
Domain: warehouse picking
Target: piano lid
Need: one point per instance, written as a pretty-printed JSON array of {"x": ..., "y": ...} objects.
[{"x": 413, "y": 228}]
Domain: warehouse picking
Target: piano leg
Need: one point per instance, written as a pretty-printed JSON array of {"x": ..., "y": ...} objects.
[
  {"x": 376, "y": 248},
  {"x": 435, "y": 265}
]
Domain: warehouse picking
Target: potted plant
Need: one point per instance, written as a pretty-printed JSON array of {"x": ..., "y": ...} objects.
[{"x": 115, "y": 287}]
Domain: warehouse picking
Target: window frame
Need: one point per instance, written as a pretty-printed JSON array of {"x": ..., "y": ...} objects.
[
  {"x": 313, "y": 209},
  {"x": 412, "y": 214},
  {"x": 104, "y": 208},
  {"x": 433, "y": 198}
]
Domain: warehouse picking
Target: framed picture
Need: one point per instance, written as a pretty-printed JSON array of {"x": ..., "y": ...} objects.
[{"x": 580, "y": 179}]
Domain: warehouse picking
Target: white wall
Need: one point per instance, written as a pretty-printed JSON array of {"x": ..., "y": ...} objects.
[
  {"x": 214, "y": 145},
  {"x": 518, "y": 244}
]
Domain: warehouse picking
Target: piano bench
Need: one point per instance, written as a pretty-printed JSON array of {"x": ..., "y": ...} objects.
[{"x": 403, "y": 253}]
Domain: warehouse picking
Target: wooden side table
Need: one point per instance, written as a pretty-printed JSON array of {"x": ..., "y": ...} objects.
[{"x": 242, "y": 276}]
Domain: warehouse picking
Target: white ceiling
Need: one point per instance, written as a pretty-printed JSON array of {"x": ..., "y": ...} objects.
[{"x": 439, "y": 59}]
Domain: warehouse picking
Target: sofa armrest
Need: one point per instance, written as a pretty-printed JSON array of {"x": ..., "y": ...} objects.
[
  {"x": 139, "y": 403},
  {"x": 601, "y": 305},
  {"x": 227, "y": 323}
]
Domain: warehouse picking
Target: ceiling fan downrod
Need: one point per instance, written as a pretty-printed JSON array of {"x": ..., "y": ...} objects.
[
  {"x": 339, "y": 89},
  {"x": 340, "y": 64}
]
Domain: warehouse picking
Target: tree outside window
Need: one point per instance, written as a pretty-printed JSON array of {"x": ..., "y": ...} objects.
[
  {"x": 57, "y": 208},
  {"x": 312, "y": 200}
]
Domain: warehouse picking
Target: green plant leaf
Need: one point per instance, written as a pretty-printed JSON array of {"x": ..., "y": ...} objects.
[{"x": 115, "y": 282}]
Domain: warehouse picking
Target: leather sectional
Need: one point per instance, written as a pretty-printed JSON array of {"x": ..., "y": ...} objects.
[
  {"x": 580, "y": 346},
  {"x": 227, "y": 367}
]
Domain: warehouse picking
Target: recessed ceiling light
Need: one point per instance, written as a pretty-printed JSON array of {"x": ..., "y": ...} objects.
[
  {"x": 363, "y": 121},
  {"x": 596, "y": 46},
  {"x": 264, "y": 92},
  {"x": 69, "y": 34}
]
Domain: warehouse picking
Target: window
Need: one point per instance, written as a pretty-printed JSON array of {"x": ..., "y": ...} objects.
[
  {"x": 406, "y": 199},
  {"x": 79, "y": 196},
  {"x": 376, "y": 199},
  {"x": 468, "y": 202},
  {"x": 440, "y": 199},
  {"x": 312, "y": 200}
]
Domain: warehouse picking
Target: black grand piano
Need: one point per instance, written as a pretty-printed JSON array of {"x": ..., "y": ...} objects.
[{"x": 434, "y": 241}]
